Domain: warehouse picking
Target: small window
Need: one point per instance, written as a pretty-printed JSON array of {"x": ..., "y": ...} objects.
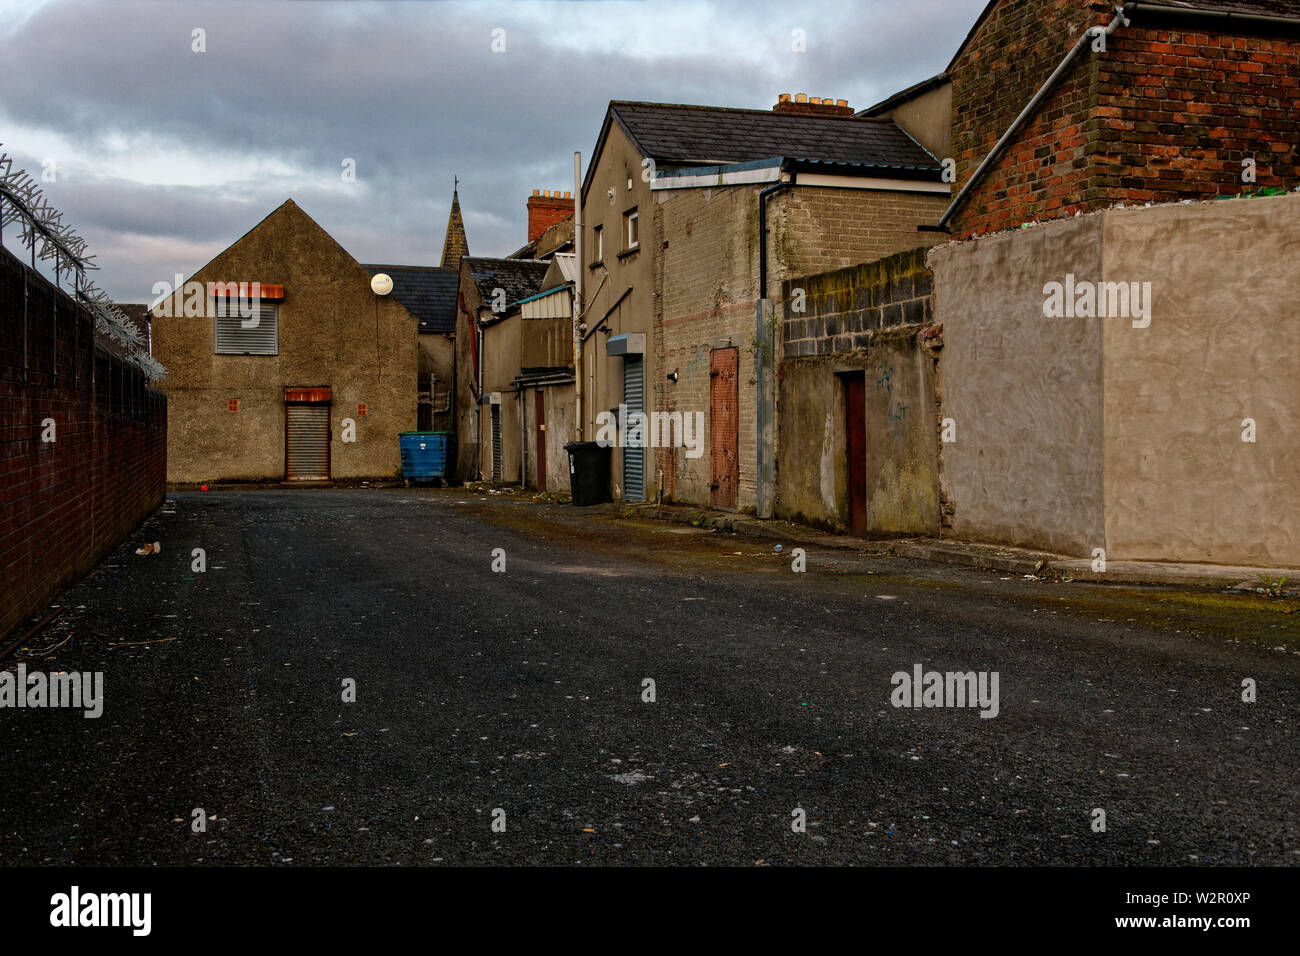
[
  {"x": 257, "y": 334},
  {"x": 633, "y": 231},
  {"x": 597, "y": 244}
]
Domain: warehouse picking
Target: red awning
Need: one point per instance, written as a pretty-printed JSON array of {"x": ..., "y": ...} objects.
[
  {"x": 307, "y": 395},
  {"x": 244, "y": 290}
]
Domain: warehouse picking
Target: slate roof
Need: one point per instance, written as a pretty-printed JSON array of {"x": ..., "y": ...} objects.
[
  {"x": 428, "y": 292},
  {"x": 519, "y": 277},
  {"x": 674, "y": 133}
]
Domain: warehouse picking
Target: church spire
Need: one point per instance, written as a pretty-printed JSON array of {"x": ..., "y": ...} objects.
[{"x": 455, "y": 246}]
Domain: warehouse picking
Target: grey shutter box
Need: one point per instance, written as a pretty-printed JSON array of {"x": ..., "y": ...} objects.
[
  {"x": 307, "y": 442},
  {"x": 262, "y": 339},
  {"x": 634, "y": 399}
]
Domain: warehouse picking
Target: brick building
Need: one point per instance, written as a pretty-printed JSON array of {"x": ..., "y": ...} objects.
[
  {"x": 830, "y": 189},
  {"x": 1177, "y": 101}
]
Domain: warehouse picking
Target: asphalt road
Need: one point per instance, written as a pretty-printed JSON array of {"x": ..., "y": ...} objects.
[{"x": 522, "y": 691}]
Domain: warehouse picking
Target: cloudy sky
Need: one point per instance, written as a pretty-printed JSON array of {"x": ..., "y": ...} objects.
[{"x": 162, "y": 156}]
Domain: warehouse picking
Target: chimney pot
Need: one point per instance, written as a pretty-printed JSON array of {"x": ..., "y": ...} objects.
[
  {"x": 546, "y": 207},
  {"x": 783, "y": 98},
  {"x": 801, "y": 97},
  {"x": 814, "y": 100},
  {"x": 841, "y": 102}
]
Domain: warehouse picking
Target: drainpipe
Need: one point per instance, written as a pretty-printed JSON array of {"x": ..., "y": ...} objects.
[
  {"x": 1089, "y": 35},
  {"x": 580, "y": 269},
  {"x": 762, "y": 506},
  {"x": 523, "y": 439}
]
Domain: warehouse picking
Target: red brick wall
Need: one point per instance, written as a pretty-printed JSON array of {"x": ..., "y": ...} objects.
[
  {"x": 1178, "y": 111},
  {"x": 66, "y": 503},
  {"x": 1163, "y": 114}
]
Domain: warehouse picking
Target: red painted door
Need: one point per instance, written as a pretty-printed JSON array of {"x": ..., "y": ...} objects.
[
  {"x": 540, "y": 418},
  {"x": 724, "y": 428},
  {"x": 855, "y": 431}
]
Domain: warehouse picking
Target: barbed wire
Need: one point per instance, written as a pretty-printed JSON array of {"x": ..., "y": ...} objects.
[{"x": 49, "y": 237}]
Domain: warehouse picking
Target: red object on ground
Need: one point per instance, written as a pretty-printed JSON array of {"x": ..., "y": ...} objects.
[{"x": 203, "y": 487}]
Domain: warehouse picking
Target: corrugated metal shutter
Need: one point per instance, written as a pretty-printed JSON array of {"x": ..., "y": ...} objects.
[
  {"x": 307, "y": 442},
  {"x": 262, "y": 339},
  {"x": 496, "y": 444},
  {"x": 634, "y": 399}
]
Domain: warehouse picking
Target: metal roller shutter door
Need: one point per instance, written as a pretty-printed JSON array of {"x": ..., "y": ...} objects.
[
  {"x": 634, "y": 399},
  {"x": 496, "y": 444},
  {"x": 307, "y": 442}
]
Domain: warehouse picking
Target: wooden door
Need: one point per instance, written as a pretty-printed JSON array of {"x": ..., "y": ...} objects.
[
  {"x": 855, "y": 432},
  {"x": 724, "y": 428}
]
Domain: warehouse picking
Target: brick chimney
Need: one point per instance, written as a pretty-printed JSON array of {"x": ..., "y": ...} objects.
[
  {"x": 545, "y": 209},
  {"x": 811, "y": 106}
]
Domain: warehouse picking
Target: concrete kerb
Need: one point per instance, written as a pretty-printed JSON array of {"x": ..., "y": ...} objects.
[{"x": 1012, "y": 560}]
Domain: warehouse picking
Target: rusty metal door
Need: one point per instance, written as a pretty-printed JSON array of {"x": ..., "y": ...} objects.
[
  {"x": 855, "y": 440},
  {"x": 724, "y": 427},
  {"x": 541, "y": 440}
]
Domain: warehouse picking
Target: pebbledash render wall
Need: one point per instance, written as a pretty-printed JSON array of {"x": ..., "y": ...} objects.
[
  {"x": 1080, "y": 433},
  {"x": 334, "y": 332},
  {"x": 1168, "y": 111},
  {"x": 66, "y": 502},
  {"x": 706, "y": 284}
]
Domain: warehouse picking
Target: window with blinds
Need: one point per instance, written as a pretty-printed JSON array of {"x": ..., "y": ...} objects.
[{"x": 258, "y": 338}]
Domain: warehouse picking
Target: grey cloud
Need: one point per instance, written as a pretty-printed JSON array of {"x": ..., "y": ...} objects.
[{"x": 412, "y": 91}]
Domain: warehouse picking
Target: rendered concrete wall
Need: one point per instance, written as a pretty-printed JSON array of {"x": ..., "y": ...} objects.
[
  {"x": 902, "y": 462},
  {"x": 812, "y": 466},
  {"x": 1223, "y": 345},
  {"x": 928, "y": 118},
  {"x": 437, "y": 356},
  {"x": 500, "y": 367},
  {"x": 1023, "y": 391},
  {"x": 1083, "y": 433}
]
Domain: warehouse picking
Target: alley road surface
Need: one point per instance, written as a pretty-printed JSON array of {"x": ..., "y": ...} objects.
[{"x": 522, "y": 692}]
